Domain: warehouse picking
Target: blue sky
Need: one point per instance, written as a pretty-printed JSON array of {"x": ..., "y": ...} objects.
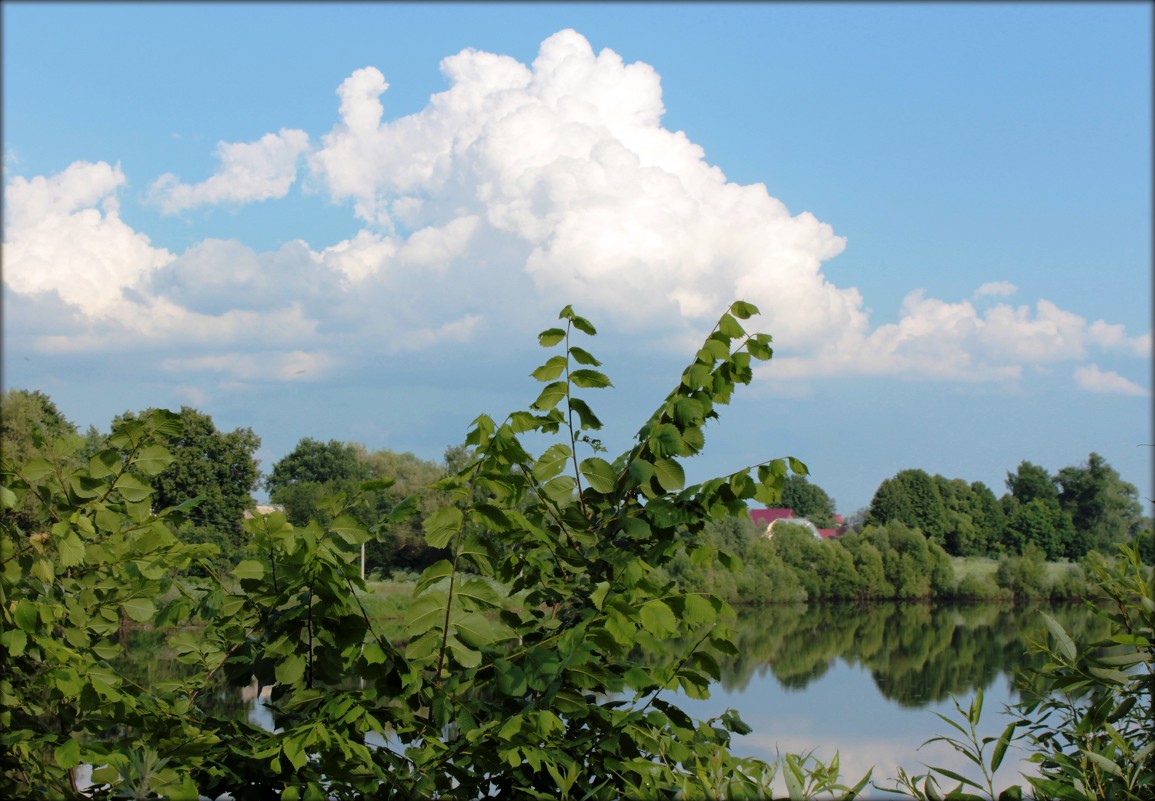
[{"x": 943, "y": 211}]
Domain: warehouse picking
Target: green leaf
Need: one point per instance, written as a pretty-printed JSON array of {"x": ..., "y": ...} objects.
[
  {"x": 479, "y": 592},
  {"x": 85, "y": 487},
  {"x": 349, "y": 530},
  {"x": 588, "y": 420},
  {"x": 697, "y": 610},
  {"x": 71, "y": 550},
  {"x": 688, "y": 411},
  {"x": 441, "y": 525},
  {"x": 132, "y": 488},
  {"x": 599, "y": 474},
  {"x": 35, "y": 469},
  {"x": 141, "y": 610},
  {"x": 551, "y": 369},
  {"x": 464, "y": 655},
  {"x": 1065, "y": 643},
  {"x": 510, "y": 678},
  {"x": 376, "y": 484},
  {"x": 438, "y": 571},
  {"x": 670, "y": 474},
  {"x": 550, "y": 337},
  {"x": 478, "y": 630},
  {"x": 657, "y": 618},
  {"x": 1001, "y": 746},
  {"x": 560, "y": 490},
  {"x": 552, "y": 462},
  {"x": 743, "y": 310},
  {"x": 152, "y": 459},
  {"x": 105, "y": 463},
  {"x": 291, "y": 669},
  {"x": 15, "y": 640},
  {"x": 598, "y": 596},
  {"x": 730, "y": 327},
  {"x": 589, "y": 379},
  {"x": 582, "y": 356},
  {"x": 639, "y": 679},
  {"x": 797, "y": 467},
  {"x": 641, "y": 472},
  {"x": 293, "y": 750},
  {"x": 405, "y": 510},
  {"x": 1105, "y": 764},
  {"x": 580, "y": 323},
  {"x": 67, "y": 755},
  {"x": 550, "y": 396},
  {"x": 665, "y": 440},
  {"x": 426, "y": 612},
  {"x": 249, "y": 569}
]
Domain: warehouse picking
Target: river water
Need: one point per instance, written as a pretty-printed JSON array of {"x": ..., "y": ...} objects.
[{"x": 866, "y": 681}]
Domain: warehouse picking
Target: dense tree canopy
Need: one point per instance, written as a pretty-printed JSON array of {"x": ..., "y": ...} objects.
[
  {"x": 1102, "y": 506},
  {"x": 221, "y": 468},
  {"x": 309, "y": 480},
  {"x": 27, "y": 417},
  {"x": 809, "y": 501},
  {"x": 912, "y": 498}
]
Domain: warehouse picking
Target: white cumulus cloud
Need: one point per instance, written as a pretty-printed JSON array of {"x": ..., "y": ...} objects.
[
  {"x": 248, "y": 172},
  {"x": 64, "y": 234},
  {"x": 518, "y": 187},
  {"x": 1092, "y": 379}
]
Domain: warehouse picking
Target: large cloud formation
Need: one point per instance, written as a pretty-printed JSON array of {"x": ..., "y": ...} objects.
[{"x": 519, "y": 186}]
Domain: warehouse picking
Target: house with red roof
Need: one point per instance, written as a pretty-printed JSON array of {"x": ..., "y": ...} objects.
[{"x": 767, "y": 519}]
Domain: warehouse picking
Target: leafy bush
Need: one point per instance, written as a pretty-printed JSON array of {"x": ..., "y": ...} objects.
[{"x": 517, "y": 678}]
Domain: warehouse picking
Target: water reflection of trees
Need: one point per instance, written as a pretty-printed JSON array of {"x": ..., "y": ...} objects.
[{"x": 917, "y": 653}]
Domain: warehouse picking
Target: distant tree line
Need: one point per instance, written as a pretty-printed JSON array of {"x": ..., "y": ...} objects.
[
  {"x": 1079, "y": 509},
  {"x": 895, "y": 548}
]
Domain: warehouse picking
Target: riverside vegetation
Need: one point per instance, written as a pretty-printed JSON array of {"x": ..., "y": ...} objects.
[{"x": 515, "y": 678}]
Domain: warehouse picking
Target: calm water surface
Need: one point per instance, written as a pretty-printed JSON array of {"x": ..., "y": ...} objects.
[{"x": 866, "y": 681}]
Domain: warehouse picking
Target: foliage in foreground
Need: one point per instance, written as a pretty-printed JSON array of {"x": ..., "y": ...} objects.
[
  {"x": 516, "y": 679},
  {"x": 1088, "y": 716}
]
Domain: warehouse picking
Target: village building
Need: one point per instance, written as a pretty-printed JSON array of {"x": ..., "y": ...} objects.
[{"x": 768, "y": 519}]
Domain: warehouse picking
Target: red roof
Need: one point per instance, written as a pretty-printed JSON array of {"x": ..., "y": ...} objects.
[{"x": 764, "y": 517}]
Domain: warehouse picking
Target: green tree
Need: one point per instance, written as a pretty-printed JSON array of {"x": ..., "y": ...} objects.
[
  {"x": 403, "y": 547},
  {"x": 1104, "y": 508},
  {"x": 912, "y": 498},
  {"x": 303, "y": 479},
  {"x": 961, "y": 535},
  {"x": 1044, "y": 525},
  {"x": 808, "y": 500},
  {"x": 27, "y": 419},
  {"x": 219, "y": 468},
  {"x": 989, "y": 519},
  {"x": 1030, "y": 482}
]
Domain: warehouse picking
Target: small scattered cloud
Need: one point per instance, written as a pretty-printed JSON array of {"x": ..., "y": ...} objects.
[
  {"x": 421, "y": 338},
  {"x": 294, "y": 365},
  {"x": 997, "y": 288},
  {"x": 1107, "y": 382},
  {"x": 248, "y": 172}
]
